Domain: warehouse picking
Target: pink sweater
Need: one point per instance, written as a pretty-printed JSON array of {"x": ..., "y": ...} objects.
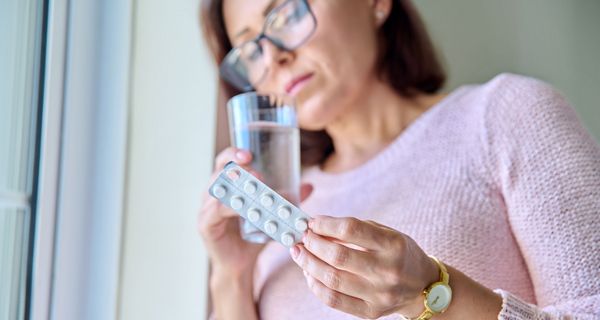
[{"x": 499, "y": 180}]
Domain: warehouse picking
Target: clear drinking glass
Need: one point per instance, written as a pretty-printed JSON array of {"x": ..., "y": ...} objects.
[{"x": 266, "y": 125}]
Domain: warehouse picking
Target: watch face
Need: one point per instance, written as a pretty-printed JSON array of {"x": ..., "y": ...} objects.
[{"x": 439, "y": 297}]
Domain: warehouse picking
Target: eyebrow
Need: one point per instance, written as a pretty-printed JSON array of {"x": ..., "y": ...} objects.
[
  {"x": 269, "y": 7},
  {"x": 267, "y": 10}
]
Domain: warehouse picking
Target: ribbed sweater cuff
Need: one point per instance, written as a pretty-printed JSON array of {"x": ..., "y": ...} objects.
[{"x": 514, "y": 308}]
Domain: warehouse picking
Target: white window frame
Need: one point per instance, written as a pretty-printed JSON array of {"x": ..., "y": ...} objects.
[
  {"x": 49, "y": 161},
  {"x": 82, "y": 161}
]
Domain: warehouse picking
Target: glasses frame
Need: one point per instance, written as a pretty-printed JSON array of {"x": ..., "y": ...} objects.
[{"x": 228, "y": 73}]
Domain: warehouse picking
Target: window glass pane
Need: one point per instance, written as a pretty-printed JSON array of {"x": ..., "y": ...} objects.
[
  {"x": 20, "y": 31},
  {"x": 14, "y": 234},
  {"x": 21, "y": 27}
]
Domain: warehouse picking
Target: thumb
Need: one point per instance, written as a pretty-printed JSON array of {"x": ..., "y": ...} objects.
[{"x": 305, "y": 191}]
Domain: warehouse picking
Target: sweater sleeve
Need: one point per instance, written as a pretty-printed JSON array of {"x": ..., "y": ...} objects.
[{"x": 546, "y": 166}]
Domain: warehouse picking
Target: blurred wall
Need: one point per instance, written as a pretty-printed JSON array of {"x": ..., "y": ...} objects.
[
  {"x": 171, "y": 143},
  {"x": 555, "y": 40}
]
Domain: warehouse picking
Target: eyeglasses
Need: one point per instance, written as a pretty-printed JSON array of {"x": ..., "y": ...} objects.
[{"x": 288, "y": 26}]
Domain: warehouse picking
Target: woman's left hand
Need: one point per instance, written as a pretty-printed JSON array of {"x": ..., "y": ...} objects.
[{"x": 364, "y": 268}]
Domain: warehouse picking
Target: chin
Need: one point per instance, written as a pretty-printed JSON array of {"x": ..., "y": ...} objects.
[
  {"x": 319, "y": 109},
  {"x": 312, "y": 116},
  {"x": 312, "y": 126}
]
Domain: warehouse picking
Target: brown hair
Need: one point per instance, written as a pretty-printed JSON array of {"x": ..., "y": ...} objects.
[{"x": 407, "y": 61}]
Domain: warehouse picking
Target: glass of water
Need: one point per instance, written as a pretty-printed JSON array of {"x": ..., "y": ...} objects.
[{"x": 267, "y": 126}]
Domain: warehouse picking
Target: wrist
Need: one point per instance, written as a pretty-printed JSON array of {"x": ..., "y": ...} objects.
[
  {"x": 435, "y": 298},
  {"x": 414, "y": 308},
  {"x": 238, "y": 270},
  {"x": 232, "y": 279},
  {"x": 430, "y": 274},
  {"x": 232, "y": 288}
]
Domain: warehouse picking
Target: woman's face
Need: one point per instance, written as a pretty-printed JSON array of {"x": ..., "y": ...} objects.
[{"x": 331, "y": 69}]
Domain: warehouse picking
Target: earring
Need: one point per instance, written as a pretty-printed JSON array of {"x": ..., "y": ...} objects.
[{"x": 380, "y": 15}]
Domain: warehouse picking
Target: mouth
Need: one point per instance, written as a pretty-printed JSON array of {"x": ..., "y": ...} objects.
[{"x": 294, "y": 86}]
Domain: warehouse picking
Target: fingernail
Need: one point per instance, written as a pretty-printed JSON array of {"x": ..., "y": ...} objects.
[
  {"x": 305, "y": 273},
  {"x": 304, "y": 235},
  {"x": 310, "y": 223},
  {"x": 241, "y": 155},
  {"x": 294, "y": 251}
]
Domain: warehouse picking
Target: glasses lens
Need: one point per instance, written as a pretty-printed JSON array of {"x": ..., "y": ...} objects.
[
  {"x": 291, "y": 24},
  {"x": 244, "y": 66}
]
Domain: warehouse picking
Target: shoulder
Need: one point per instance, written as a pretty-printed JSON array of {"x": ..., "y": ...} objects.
[
  {"x": 520, "y": 118},
  {"x": 514, "y": 85},
  {"x": 528, "y": 123},
  {"x": 510, "y": 95},
  {"x": 515, "y": 103},
  {"x": 506, "y": 104},
  {"x": 504, "y": 97}
]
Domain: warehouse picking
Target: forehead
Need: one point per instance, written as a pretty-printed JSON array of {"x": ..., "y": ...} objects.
[{"x": 240, "y": 15}]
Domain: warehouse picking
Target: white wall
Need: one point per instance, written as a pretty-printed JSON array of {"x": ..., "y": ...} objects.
[
  {"x": 554, "y": 40},
  {"x": 164, "y": 266}
]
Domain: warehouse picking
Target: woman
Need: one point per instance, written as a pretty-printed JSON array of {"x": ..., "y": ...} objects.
[{"x": 499, "y": 181}]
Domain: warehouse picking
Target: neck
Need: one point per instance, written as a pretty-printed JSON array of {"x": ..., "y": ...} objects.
[{"x": 371, "y": 123}]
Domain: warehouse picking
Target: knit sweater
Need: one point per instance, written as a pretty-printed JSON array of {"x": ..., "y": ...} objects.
[{"x": 499, "y": 180}]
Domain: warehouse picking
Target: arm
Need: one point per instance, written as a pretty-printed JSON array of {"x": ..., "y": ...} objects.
[
  {"x": 548, "y": 171},
  {"x": 471, "y": 300},
  {"x": 386, "y": 274},
  {"x": 232, "y": 258},
  {"x": 232, "y": 297}
]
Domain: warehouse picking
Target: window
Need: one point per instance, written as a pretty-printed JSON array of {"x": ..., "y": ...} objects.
[
  {"x": 64, "y": 155},
  {"x": 22, "y": 25}
]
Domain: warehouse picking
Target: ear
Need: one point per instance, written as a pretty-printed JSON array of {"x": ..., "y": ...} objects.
[{"x": 381, "y": 10}]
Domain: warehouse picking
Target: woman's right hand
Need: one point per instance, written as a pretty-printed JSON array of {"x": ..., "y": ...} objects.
[{"x": 219, "y": 226}]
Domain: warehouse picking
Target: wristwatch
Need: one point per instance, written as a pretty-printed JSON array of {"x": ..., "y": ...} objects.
[{"x": 438, "y": 295}]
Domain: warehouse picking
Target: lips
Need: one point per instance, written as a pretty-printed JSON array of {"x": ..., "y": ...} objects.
[{"x": 295, "y": 85}]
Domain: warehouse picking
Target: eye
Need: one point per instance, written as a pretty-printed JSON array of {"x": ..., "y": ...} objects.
[
  {"x": 254, "y": 54},
  {"x": 251, "y": 51},
  {"x": 278, "y": 21}
]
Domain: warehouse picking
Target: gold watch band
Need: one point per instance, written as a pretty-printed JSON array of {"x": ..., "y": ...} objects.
[
  {"x": 426, "y": 315},
  {"x": 444, "y": 276}
]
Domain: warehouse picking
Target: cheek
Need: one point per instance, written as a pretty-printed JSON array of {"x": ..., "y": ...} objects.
[
  {"x": 340, "y": 81},
  {"x": 342, "y": 53},
  {"x": 347, "y": 41},
  {"x": 344, "y": 58}
]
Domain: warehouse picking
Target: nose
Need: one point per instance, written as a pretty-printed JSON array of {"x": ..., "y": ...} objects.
[{"x": 275, "y": 56}]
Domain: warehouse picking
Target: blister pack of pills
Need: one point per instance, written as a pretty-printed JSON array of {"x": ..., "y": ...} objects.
[{"x": 268, "y": 211}]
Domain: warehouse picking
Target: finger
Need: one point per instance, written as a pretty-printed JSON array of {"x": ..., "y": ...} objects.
[
  {"x": 340, "y": 301},
  {"x": 335, "y": 279},
  {"x": 213, "y": 213},
  {"x": 337, "y": 255},
  {"x": 214, "y": 218},
  {"x": 305, "y": 191},
  {"x": 240, "y": 156},
  {"x": 350, "y": 230}
]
